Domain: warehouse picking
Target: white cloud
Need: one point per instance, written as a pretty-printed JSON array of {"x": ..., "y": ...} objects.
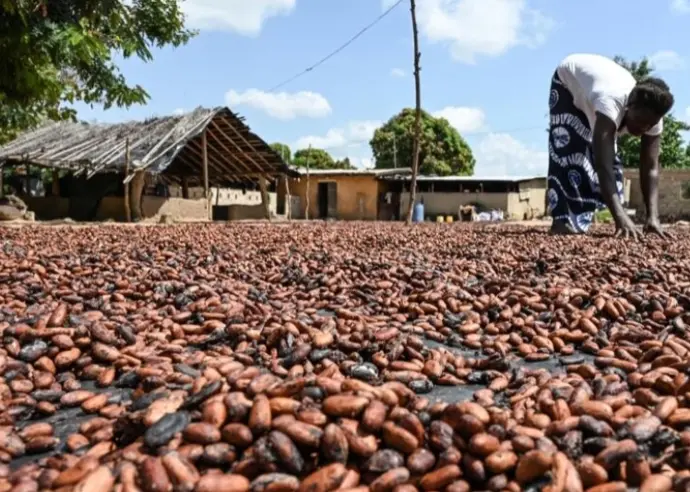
[
  {"x": 666, "y": 60},
  {"x": 502, "y": 154},
  {"x": 473, "y": 28},
  {"x": 178, "y": 112},
  {"x": 496, "y": 153},
  {"x": 398, "y": 72},
  {"x": 680, "y": 6},
  {"x": 359, "y": 162},
  {"x": 464, "y": 119},
  {"x": 281, "y": 105},
  {"x": 352, "y": 135},
  {"x": 245, "y": 17},
  {"x": 351, "y": 141}
]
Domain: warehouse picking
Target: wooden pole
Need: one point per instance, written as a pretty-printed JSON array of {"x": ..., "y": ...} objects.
[
  {"x": 288, "y": 201},
  {"x": 128, "y": 210},
  {"x": 27, "y": 179},
  {"x": 55, "y": 186},
  {"x": 204, "y": 157},
  {"x": 265, "y": 201},
  {"x": 306, "y": 210},
  {"x": 288, "y": 198},
  {"x": 418, "y": 114}
]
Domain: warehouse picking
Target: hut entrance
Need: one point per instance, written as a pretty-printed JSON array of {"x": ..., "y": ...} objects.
[{"x": 328, "y": 199}]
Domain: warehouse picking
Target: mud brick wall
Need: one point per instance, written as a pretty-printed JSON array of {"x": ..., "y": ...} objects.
[{"x": 674, "y": 194}]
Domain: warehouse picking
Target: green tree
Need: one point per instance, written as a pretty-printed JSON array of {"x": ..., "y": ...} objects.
[
  {"x": 343, "y": 164},
  {"x": 317, "y": 158},
  {"x": 442, "y": 150},
  {"x": 674, "y": 151},
  {"x": 283, "y": 151},
  {"x": 57, "y": 52}
]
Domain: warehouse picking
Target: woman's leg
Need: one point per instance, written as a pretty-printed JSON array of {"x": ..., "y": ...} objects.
[{"x": 572, "y": 182}]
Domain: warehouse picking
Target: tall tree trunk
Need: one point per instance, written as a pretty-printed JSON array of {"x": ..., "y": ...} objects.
[{"x": 418, "y": 115}]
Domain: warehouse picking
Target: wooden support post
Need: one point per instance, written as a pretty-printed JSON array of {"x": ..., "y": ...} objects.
[
  {"x": 137, "y": 185},
  {"x": 185, "y": 187},
  {"x": 128, "y": 210},
  {"x": 55, "y": 187},
  {"x": 2, "y": 181},
  {"x": 27, "y": 179},
  {"x": 204, "y": 157},
  {"x": 288, "y": 198},
  {"x": 418, "y": 114},
  {"x": 306, "y": 208},
  {"x": 265, "y": 201}
]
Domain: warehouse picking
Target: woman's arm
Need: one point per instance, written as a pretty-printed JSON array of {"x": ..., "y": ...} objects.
[{"x": 604, "y": 146}]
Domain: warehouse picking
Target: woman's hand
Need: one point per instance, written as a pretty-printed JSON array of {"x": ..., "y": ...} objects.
[
  {"x": 653, "y": 226},
  {"x": 625, "y": 228}
]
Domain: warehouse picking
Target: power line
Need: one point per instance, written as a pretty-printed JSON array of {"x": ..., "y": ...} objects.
[{"x": 338, "y": 50}]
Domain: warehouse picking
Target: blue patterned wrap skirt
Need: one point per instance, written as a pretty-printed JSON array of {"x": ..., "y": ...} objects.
[{"x": 573, "y": 193}]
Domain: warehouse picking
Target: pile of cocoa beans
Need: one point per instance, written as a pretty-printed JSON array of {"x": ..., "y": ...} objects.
[{"x": 314, "y": 357}]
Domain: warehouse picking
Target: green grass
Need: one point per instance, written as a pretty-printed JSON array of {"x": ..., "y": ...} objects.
[{"x": 603, "y": 216}]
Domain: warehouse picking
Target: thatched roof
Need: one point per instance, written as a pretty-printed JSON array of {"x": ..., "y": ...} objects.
[{"x": 171, "y": 145}]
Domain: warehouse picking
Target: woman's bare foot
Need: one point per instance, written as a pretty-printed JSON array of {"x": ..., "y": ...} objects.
[{"x": 561, "y": 229}]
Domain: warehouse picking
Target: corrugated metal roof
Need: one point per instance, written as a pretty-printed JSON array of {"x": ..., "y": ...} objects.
[
  {"x": 465, "y": 179},
  {"x": 352, "y": 172}
]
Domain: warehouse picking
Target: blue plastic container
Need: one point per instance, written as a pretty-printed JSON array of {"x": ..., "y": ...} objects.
[{"x": 418, "y": 213}]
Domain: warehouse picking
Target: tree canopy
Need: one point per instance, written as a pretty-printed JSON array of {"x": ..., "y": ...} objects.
[
  {"x": 62, "y": 51},
  {"x": 675, "y": 153},
  {"x": 283, "y": 150},
  {"x": 442, "y": 150},
  {"x": 319, "y": 159}
]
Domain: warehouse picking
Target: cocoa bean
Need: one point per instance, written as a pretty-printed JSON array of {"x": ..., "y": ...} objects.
[
  {"x": 390, "y": 479},
  {"x": 153, "y": 476},
  {"x": 164, "y": 429},
  {"x": 324, "y": 479},
  {"x": 222, "y": 483},
  {"x": 201, "y": 433}
]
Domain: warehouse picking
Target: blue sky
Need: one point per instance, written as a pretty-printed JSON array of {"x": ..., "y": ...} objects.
[{"x": 486, "y": 66}]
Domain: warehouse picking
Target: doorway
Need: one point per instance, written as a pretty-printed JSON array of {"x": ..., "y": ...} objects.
[{"x": 328, "y": 199}]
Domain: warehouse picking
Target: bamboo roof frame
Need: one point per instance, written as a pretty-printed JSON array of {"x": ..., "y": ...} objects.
[{"x": 171, "y": 146}]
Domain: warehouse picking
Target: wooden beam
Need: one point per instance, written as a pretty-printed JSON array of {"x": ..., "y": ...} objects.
[
  {"x": 265, "y": 198},
  {"x": 204, "y": 161},
  {"x": 218, "y": 166},
  {"x": 137, "y": 185},
  {"x": 230, "y": 153},
  {"x": 249, "y": 157},
  {"x": 288, "y": 198},
  {"x": 55, "y": 186},
  {"x": 306, "y": 208},
  {"x": 27, "y": 179},
  {"x": 128, "y": 210},
  {"x": 191, "y": 162}
]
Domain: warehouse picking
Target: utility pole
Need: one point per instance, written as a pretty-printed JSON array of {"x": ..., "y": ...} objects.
[{"x": 418, "y": 114}]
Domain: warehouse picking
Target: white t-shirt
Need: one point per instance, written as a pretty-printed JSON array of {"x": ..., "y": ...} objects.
[{"x": 599, "y": 84}]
